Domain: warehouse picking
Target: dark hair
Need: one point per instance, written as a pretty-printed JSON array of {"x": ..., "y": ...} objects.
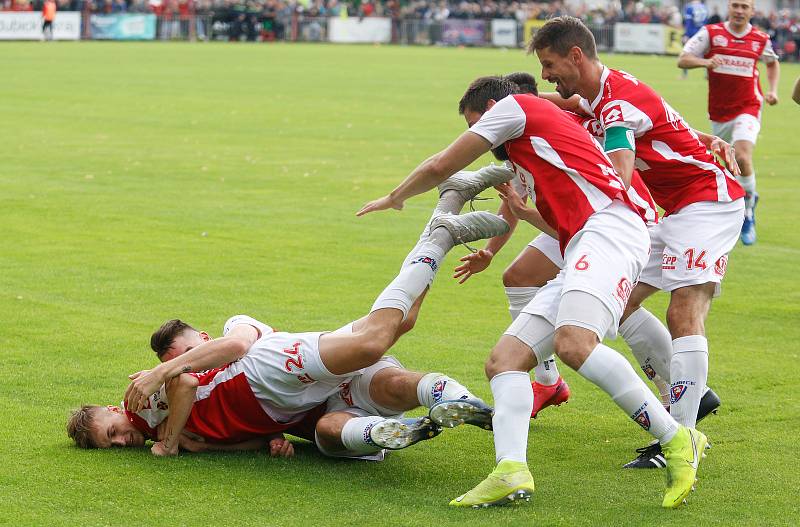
[
  {"x": 561, "y": 34},
  {"x": 525, "y": 82},
  {"x": 79, "y": 426},
  {"x": 164, "y": 336},
  {"x": 483, "y": 89}
]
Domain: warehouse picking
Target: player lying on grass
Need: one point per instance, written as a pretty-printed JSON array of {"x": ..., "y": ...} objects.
[
  {"x": 234, "y": 408},
  {"x": 605, "y": 243},
  {"x": 541, "y": 262},
  {"x": 292, "y": 373}
]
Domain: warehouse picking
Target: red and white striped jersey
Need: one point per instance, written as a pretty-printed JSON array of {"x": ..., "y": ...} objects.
[
  {"x": 638, "y": 191},
  {"x": 566, "y": 173},
  {"x": 225, "y": 409},
  {"x": 672, "y": 161},
  {"x": 733, "y": 88}
]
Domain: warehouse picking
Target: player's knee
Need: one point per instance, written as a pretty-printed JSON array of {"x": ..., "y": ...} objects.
[
  {"x": 328, "y": 430},
  {"x": 572, "y": 346},
  {"x": 512, "y": 277},
  {"x": 408, "y": 324}
]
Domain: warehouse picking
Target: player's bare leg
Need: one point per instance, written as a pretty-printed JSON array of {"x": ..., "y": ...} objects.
[
  {"x": 529, "y": 271},
  {"x": 744, "y": 157}
]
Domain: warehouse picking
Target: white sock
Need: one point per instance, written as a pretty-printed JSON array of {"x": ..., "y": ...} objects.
[
  {"x": 546, "y": 372},
  {"x": 412, "y": 280},
  {"x": 613, "y": 374},
  {"x": 689, "y": 370},
  {"x": 513, "y": 404},
  {"x": 435, "y": 387},
  {"x": 450, "y": 203},
  {"x": 518, "y": 298},
  {"x": 649, "y": 341},
  {"x": 748, "y": 183},
  {"x": 355, "y": 435}
]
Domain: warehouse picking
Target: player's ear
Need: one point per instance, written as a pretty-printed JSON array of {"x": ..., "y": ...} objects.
[
  {"x": 576, "y": 55},
  {"x": 204, "y": 336},
  {"x": 489, "y": 104},
  {"x": 113, "y": 408}
]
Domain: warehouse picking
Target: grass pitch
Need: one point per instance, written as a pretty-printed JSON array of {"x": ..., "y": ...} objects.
[{"x": 140, "y": 182}]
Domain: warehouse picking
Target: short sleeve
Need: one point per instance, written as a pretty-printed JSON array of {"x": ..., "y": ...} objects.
[
  {"x": 699, "y": 44},
  {"x": 262, "y": 328},
  {"x": 504, "y": 121},
  {"x": 621, "y": 113},
  {"x": 768, "y": 56}
]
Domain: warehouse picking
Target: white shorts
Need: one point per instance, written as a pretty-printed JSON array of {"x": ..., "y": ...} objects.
[
  {"x": 691, "y": 246},
  {"x": 603, "y": 259},
  {"x": 743, "y": 127},
  {"x": 354, "y": 396},
  {"x": 550, "y": 248},
  {"x": 287, "y": 375}
]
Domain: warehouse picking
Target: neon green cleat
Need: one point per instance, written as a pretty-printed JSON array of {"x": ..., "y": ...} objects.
[
  {"x": 510, "y": 481},
  {"x": 683, "y": 453}
]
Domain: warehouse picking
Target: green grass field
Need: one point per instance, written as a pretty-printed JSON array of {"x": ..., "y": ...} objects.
[{"x": 140, "y": 182}]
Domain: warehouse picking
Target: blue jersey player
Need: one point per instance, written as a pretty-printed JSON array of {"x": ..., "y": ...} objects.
[{"x": 695, "y": 14}]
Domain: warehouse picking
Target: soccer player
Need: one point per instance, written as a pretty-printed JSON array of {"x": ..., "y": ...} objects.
[
  {"x": 694, "y": 17},
  {"x": 233, "y": 407},
  {"x": 702, "y": 202},
  {"x": 605, "y": 244},
  {"x": 730, "y": 53}
]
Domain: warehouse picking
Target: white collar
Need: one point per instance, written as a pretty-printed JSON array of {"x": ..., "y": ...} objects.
[
  {"x": 747, "y": 30},
  {"x": 603, "y": 77}
]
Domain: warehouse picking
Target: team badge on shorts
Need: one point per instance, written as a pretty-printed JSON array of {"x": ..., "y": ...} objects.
[
  {"x": 623, "y": 291},
  {"x": 643, "y": 419},
  {"x": 721, "y": 265}
]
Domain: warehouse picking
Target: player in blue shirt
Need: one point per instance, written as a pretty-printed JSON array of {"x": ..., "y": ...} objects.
[{"x": 695, "y": 14}]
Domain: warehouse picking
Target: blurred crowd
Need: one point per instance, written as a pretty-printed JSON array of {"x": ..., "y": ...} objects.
[{"x": 248, "y": 19}]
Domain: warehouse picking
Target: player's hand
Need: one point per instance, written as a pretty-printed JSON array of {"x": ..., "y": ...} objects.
[
  {"x": 143, "y": 385},
  {"x": 514, "y": 201},
  {"x": 771, "y": 98},
  {"x": 191, "y": 444},
  {"x": 386, "y": 202},
  {"x": 280, "y": 447},
  {"x": 727, "y": 153},
  {"x": 161, "y": 450},
  {"x": 713, "y": 62},
  {"x": 474, "y": 263}
]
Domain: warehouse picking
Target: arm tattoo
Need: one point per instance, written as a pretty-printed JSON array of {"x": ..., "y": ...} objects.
[{"x": 186, "y": 369}]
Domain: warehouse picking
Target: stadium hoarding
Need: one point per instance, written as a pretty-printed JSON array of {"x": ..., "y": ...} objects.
[
  {"x": 360, "y": 31},
  {"x": 504, "y": 33},
  {"x": 123, "y": 27},
  {"x": 28, "y": 26},
  {"x": 456, "y": 32}
]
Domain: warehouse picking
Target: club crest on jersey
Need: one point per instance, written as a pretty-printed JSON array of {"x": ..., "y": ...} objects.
[
  {"x": 755, "y": 45},
  {"x": 719, "y": 40},
  {"x": 643, "y": 419},
  {"x": 721, "y": 265},
  {"x": 612, "y": 114},
  {"x": 427, "y": 260},
  {"x": 438, "y": 390}
]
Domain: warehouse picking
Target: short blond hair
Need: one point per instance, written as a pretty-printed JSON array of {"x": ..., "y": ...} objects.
[{"x": 79, "y": 425}]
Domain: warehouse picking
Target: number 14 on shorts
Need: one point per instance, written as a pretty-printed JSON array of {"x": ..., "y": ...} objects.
[{"x": 693, "y": 259}]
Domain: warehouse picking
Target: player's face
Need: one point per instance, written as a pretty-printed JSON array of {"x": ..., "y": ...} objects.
[
  {"x": 183, "y": 343},
  {"x": 561, "y": 71},
  {"x": 740, "y": 12},
  {"x": 111, "y": 428}
]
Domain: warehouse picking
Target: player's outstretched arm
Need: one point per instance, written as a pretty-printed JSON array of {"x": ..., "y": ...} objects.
[
  {"x": 210, "y": 354},
  {"x": 434, "y": 170},
  {"x": 180, "y": 394}
]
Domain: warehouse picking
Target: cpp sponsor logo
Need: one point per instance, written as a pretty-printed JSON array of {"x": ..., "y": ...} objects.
[{"x": 668, "y": 262}]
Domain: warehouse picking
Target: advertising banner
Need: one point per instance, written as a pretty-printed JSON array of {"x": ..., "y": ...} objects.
[
  {"x": 639, "y": 38},
  {"x": 28, "y": 26},
  {"x": 504, "y": 33},
  {"x": 123, "y": 27},
  {"x": 464, "y": 32},
  {"x": 355, "y": 31},
  {"x": 673, "y": 45},
  {"x": 531, "y": 27}
]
